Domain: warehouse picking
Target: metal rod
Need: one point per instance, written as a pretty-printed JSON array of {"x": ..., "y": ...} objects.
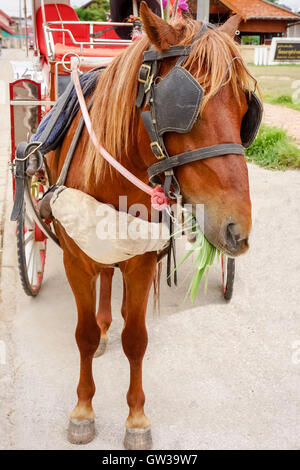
[
  {"x": 20, "y": 23},
  {"x": 31, "y": 103},
  {"x": 33, "y": 12},
  {"x": 203, "y": 10},
  {"x": 108, "y": 23},
  {"x": 26, "y": 30},
  {"x": 135, "y": 8},
  {"x": 175, "y": 8},
  {"x": 43, "y": 11},
  {"x": 161, "y": 9}
]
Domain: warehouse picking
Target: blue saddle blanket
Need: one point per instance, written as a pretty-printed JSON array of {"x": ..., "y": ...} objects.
[{"x": 56, "y": 123}]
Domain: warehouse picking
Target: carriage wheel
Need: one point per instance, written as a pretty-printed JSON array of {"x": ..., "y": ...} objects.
[
  {"x": 31, "y": 241},
  {"x": 228, "y": 273}
]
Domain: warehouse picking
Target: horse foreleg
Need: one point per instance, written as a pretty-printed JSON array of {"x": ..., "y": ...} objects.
[
  {"x": 104, "y": 317},
  {"x": 138, "y": 276},
  {"x": 81, "y": 427}
]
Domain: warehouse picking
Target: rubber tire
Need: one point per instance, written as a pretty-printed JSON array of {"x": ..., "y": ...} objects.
[
  {"x": 22, "y": 259},
  {"x": 229, "y": 279}
]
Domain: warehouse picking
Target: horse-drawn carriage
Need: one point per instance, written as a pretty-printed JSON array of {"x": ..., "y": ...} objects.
[{"x": 145, "y": 102}]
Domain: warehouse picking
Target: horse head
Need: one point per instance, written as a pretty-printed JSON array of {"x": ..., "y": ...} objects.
[{"x": 221, "y": 183}]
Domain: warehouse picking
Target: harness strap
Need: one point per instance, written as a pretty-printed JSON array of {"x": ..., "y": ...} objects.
[
  {"x": 147, "y": 74},
  {"x": 148, "y": 69},
  {"x": 20, "y": 181},
  {"x": 59, "y": 108},
  {"x": 64, "y": 171},
  {"x": 159, "y": 201},
  {"x": 193, "y": 156},
  {"x": 171, "y": 254},
  {"x": 157, "y": 145},
  {"x": 173, "y": 51}
]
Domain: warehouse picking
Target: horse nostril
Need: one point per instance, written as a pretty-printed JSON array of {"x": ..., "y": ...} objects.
[{"x": 232, "y": 236}]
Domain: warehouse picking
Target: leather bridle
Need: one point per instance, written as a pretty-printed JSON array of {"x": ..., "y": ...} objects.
[{"x": 167, "y": 164}]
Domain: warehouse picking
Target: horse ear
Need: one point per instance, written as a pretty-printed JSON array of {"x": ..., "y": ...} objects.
[
  {"x": 161, "y": 34},
  {"x": 231, "y": 25}
]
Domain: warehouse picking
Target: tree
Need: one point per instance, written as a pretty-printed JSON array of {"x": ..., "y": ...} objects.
[{"x": 97, "y": 11}]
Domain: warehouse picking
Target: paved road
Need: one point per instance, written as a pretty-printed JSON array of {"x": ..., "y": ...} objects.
[{"x": 216, "y": 376}]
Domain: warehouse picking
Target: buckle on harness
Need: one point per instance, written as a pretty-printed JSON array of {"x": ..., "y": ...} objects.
[
  {"x": 157, "y": 150},
  {"x": 144, "y": 73},
  {"x": 149, "y": 81}
]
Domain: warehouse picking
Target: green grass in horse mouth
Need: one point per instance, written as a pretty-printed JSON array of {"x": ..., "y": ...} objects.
[{"x": 205, "y": 256}]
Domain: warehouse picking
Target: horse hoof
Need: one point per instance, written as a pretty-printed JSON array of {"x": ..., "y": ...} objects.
[
  {"x": 138, "y": 439},
  {"x": 81, "y": 432},
  {"x": 101, "y": 348}
]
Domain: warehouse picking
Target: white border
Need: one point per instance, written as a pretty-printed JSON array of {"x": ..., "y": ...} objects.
[{"x": 276, "y": 41}]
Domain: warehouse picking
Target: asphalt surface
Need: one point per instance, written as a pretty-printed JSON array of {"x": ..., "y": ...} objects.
[{"x": 216, "y": 375}]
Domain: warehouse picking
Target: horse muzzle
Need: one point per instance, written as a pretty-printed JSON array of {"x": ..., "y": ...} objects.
[{"x": 234, "y": 242}]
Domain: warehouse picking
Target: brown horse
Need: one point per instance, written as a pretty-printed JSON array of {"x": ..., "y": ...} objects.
[{"x": 220, "y": 183}]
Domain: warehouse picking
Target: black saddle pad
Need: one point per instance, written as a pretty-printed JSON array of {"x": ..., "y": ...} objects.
[{"x": 56, "y": 123}]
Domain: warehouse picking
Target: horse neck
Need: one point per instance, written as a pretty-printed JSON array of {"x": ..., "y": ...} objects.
[
  {"x": 113, "y": 184},
  {"x": 116, "y": 185}
]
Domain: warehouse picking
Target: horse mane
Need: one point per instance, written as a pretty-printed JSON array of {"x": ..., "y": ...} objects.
[{"x": 114, "y": 115}]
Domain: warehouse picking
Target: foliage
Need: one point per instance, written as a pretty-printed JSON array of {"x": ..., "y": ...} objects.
[
  {"x": 251, "y": 39},
  {"x": 205, "y": 255},
  {"x": 274, "y": 149},
  {"x": 97, "y": 11},
  {"x": 283, "y": 100}
]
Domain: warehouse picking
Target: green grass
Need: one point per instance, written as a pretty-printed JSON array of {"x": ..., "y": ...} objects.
[
  {"x": 274, "y": 149},
  {"x": 205, "y": 255},
  {"x": 282, "y": 100},
  {"x": 276, "y": 80},
  {"x": 276, "y": 83}
]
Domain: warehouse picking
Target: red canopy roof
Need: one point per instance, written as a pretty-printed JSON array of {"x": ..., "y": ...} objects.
[
  {"x": 11, "y": 20},
  {"x": 259, "y": 9},
  {"x": 7, "y": 28}
]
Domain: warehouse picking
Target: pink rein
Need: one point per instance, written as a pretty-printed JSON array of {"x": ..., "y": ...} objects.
[{"x": 159, "y": 200}]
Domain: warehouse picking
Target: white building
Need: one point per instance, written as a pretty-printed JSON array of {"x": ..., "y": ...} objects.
[{"x": 293, "y": 31}]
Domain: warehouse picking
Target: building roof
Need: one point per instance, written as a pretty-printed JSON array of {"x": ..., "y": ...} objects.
[
  {"x": 2, "y": 13},
  {"x": 7, "y": 28},
  {"x": 250, "y": 9}
]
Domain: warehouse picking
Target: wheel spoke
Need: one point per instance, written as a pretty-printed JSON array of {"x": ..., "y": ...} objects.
[
  {"x": 31, "y": 253},
  {"x": 29, "y": 259},
  {"x": 39, "y": 267},
  {"x": 29, "y": 236},
  {"x": 34, "y": 271},
  {"x": 29, "y": 223}
]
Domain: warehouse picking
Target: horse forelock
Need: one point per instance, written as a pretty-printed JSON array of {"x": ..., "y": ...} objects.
[{"x": 114, "y": 114}]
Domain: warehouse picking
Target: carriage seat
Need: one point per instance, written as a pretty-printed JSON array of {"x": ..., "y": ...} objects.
[
  {"x": 81, "y": 32},
  {"x": 55, "y": 12},
  {"x": 104, "y": 51}
]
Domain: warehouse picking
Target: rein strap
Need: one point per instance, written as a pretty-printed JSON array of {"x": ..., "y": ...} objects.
[{"x": 159, "y": 201}]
